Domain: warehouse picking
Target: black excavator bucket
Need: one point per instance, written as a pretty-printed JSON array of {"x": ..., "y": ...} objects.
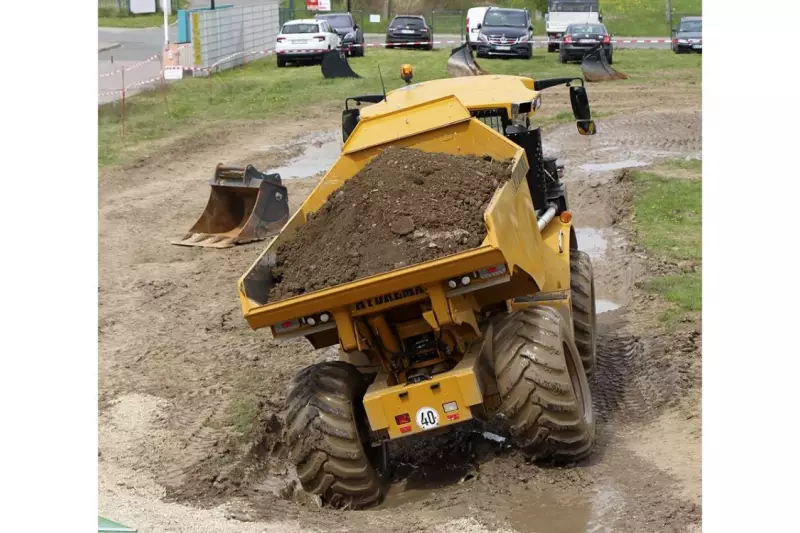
[
  {"x": 595, "y": 66},
  {"x": 462, "y": 63},
  {"x": 335, "y": 65},
  {"x": 245, "y": 206}
]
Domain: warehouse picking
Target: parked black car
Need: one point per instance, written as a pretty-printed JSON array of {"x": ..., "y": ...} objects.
[
  {"x": 506, "y": 32},
  {"x": 688, "y": 36},
  {"x": 407, "y": 29},
  {"x": 348, "y": 31},
  {"x": 578, "y": 38}
]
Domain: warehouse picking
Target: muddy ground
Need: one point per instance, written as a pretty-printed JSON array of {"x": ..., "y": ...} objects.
[
  {"x": 430, "y": 206},
  {"x": 188, "y": 392}
]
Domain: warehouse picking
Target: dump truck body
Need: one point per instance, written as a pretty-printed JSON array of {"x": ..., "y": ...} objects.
[
  {"x": 433, "y": 117},
  {"x": 486, "y": 330}
]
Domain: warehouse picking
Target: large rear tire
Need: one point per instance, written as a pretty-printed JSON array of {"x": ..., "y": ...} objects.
[
  {"x": 544, "y": 391},
  {"x": 584, "y": 315},
  {"x": 326, "y": 430}
]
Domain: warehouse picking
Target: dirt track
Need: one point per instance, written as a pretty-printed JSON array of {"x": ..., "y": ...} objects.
[{"x": 180, "y": 370}]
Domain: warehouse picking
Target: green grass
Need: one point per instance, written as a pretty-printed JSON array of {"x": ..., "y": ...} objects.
[
  {"x": 644, "y": 18},
  {"x": 260, "y": 90},
  {"x": 149, "y": 20},
  {"x": 243, "y": 415},
  {"x": 668, "y": 224},
  {"x": 113, "y": 18}
]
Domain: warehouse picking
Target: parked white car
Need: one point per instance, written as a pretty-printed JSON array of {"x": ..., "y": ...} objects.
[
  {"x": 304, "y": 39},
  {"x": 474, "y": 18}
]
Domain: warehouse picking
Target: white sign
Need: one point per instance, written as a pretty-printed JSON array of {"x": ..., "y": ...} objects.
[
  {"x": 142, "y": 6},
  {"x": 374, "y": 18},
  {"x": 324, "y": 5},
  {"x": 427, "y": 418},
  {"x": 173, "y": 73}
]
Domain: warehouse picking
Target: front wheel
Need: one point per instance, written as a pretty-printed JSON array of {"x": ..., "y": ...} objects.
[
  {"x": 543, "y": 388},
  {"x": 327, "y": 434}
]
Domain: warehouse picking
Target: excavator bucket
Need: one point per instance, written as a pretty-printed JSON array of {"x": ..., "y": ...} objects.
[
  {"x": 335, "y": 65},
  {"x": 461, "y": 63},
  {"x": 245, "y": 206},
  {"x": 595, "y": 66}
]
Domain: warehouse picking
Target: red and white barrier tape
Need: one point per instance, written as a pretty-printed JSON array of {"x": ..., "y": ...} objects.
[{"x": 132, "y": 67}]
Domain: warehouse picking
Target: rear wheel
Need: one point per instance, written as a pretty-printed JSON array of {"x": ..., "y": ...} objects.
[
  {"x": 610, "y": 58},
  {"x": 326, "y": 432},
  {"x": 562, "y": 57},
  {"x": 544, "y": 391},
  {"x": 584, "y": 317},
  {"x": 551, "y": 48},
  {"x": 281, "y": 62}
]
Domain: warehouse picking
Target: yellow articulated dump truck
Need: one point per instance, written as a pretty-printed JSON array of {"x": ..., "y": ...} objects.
[{"x": 505, "y": 329}]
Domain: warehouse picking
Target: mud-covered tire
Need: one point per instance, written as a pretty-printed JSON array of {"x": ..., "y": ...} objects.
[
  {"x": 584, "y": 314},
  {"x": 544, "y": 392},
  {"x": 326, "y": 427}
]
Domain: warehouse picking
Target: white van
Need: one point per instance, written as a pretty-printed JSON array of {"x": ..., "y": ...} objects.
[{"x": 474, "y": 17}]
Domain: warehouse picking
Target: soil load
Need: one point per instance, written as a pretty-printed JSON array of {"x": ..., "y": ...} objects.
[{"x": 405, "y": 207}]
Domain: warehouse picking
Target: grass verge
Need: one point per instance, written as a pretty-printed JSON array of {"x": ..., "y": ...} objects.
[
  {"x": 668, "y": 224},
  {"x": 260, "y": 90},
  {"x": 115, "y": 18}
]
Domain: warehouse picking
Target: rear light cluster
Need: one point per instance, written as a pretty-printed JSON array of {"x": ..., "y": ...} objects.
[
  {"x": 606, "y": 39},
  {"x": 481, "y": 274},
  {"x": 568, "y": 38},
  {"x": 281, "y": 39},
  {"x": 295, "y": 323},
  {"x": 319, "y": 38}
]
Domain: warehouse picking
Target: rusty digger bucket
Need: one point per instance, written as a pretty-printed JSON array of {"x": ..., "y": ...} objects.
[
  {"x": 462, "y": 63},
  {"x": 595, "y": 66},
  {"x": 335, "y": 65},
  {"x": 245, "y": 206}
]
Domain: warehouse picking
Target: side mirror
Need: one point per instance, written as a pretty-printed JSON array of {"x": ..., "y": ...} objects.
[
  {"x": 479, "y": 26},
  {"x": 349, "y": 121},
  {"x": 581, "y": 110},
  {"x": 530, "y": 28}
]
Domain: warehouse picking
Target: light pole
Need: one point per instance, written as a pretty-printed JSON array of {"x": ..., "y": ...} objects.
[{"x": 166, "y": 24}]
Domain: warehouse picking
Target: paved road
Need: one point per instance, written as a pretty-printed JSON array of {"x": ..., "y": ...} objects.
[{"x": 135, "y": 46}]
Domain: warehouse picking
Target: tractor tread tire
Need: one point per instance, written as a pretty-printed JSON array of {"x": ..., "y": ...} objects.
[
  {"x": 323, "y": 413},
  {"x": 548, "y": 419},
  {"x": 584, "y": 315}
]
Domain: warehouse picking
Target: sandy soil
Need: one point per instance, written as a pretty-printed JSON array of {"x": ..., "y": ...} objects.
[{"x": 182, "y": 376}]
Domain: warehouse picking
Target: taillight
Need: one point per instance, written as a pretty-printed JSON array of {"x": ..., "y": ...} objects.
[
  {"x": 281, "y": 39},
  {"x": 606, "y": 39},
  {"x": 568, "y": 38},
  {"x": 402, "y": 419},
  {"x": 319, "y": 38}
]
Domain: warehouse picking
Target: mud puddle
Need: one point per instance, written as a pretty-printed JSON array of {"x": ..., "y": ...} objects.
[
  {"x": 605, "y": 167},
  {"x": 320, "y": 153}
]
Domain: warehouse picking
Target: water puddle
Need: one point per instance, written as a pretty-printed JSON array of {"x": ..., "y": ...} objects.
[
  {"x": 320, "y": 153},
  {"x": 602, "y": 167},
  {"x": 592, "y": 242},
  {"x": 603, "y": 306}
]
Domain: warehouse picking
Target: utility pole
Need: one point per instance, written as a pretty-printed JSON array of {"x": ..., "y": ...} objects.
[
  {"x": 669, "y": 12},
  {"x": 164, "y": 8}
]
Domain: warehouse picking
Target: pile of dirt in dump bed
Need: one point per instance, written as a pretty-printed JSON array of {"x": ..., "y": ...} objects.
[{"x": 405, "y": 207}]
